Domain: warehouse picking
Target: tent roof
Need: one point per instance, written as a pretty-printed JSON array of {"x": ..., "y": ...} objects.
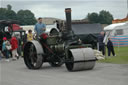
[{"x": 112, "y": 26}]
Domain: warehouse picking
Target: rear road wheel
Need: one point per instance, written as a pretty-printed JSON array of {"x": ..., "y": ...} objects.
[{"x": 31, "y": 58}]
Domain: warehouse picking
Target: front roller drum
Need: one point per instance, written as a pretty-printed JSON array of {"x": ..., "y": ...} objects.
[{"x": 80, "y": 59}]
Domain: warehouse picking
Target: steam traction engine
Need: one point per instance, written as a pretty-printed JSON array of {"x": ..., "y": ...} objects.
[{"x": 58, "y": 48}]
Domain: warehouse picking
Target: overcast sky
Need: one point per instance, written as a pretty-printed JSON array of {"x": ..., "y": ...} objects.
[{"x": 80, "y": 8}]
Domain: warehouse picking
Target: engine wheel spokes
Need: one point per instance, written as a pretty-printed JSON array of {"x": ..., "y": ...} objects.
[
  {"x": 31, "y": 58},
  {"x": 32, "y": 55}
]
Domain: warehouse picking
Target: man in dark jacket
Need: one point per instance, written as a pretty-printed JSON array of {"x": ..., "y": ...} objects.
[
  {"x": 101, "y": 43},
  {"x": 110, "y": 47}
]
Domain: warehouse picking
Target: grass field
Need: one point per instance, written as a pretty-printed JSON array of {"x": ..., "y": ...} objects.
[{"x": 120, "y": 58}]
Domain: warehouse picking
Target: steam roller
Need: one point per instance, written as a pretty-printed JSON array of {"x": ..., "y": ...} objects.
[{"x": 58, "y": 47}]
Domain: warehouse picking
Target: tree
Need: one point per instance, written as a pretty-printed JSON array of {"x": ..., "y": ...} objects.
[
  {"x": 9, "y": 7},
  {"x": 10, "y": 14},
  {"x": 105, "y": 17},
  {"x": 7, "y": 13},
  {"x": 2, "y": 13},
  {"x": 26, "y": 17},
  {"x": 93, "y": 17}
]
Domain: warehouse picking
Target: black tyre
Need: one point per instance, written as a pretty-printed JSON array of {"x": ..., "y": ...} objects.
[{"x": 31, "y": 58}]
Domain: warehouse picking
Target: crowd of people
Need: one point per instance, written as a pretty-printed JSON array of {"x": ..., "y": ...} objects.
[{"x": 10, "y": 46}]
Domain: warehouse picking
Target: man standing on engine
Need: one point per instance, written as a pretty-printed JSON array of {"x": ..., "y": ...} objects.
[{"x": 40, "y": 27}]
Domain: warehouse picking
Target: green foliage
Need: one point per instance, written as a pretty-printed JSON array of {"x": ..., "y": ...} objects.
[
  {"x": 2, "y": 13},
  {"x": 10, "y": 14},
  {"x": 104, "y": 17},
  {"x": 7, "y": 14},
  {"x": 25, "y": 17},
  {"x": 93, "y": 17},
  {"x": 9, "y": 7}
]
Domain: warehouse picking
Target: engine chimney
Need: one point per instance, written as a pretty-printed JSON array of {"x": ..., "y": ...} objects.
[{"x": 68, "y": 19}]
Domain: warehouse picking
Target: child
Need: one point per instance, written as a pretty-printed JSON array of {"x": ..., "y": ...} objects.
[
  {"x": 5, "y": 48},
  {"x": 110, "y": 47},
  {"x": 29, "y": 35},
  {"x": 14, "y": 44}
]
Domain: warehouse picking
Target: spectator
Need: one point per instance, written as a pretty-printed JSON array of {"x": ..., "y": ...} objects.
[
  {"x": 5, "y": 48},
  {"x": 101, "y": 43},
  {"x": 29, "y": 35},
  {"x": 18, "y": 37},
  {"x": 14, "y": 44},
  {"x": 110, "y": 47},
  {"x": 39, "y": 27},
  {"x": 1, "y": 55}
]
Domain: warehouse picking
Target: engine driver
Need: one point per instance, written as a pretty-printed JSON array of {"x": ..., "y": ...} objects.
[{"x": 40, "y": 27}]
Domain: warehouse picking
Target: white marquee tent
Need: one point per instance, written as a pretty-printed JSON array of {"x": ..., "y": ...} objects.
[
  {"x": 117, "y": 29},
  {"x": 118, "y": 33}
]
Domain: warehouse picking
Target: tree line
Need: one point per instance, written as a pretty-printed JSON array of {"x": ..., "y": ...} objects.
[
  {"x": 25, "y": 17},
  {"x": 104, "y": 17}
]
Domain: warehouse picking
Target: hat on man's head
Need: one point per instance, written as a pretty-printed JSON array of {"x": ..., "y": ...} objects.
[{"x": 4, "y": 38}]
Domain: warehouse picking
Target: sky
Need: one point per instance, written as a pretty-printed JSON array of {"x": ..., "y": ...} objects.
[{"x": 80, "y": 8}]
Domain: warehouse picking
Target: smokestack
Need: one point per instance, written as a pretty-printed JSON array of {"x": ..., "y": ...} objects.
[{"x": 68, "y": 19}]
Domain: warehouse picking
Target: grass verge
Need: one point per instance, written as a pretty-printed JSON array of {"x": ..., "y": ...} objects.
[{"x": 120, "y": 58}]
